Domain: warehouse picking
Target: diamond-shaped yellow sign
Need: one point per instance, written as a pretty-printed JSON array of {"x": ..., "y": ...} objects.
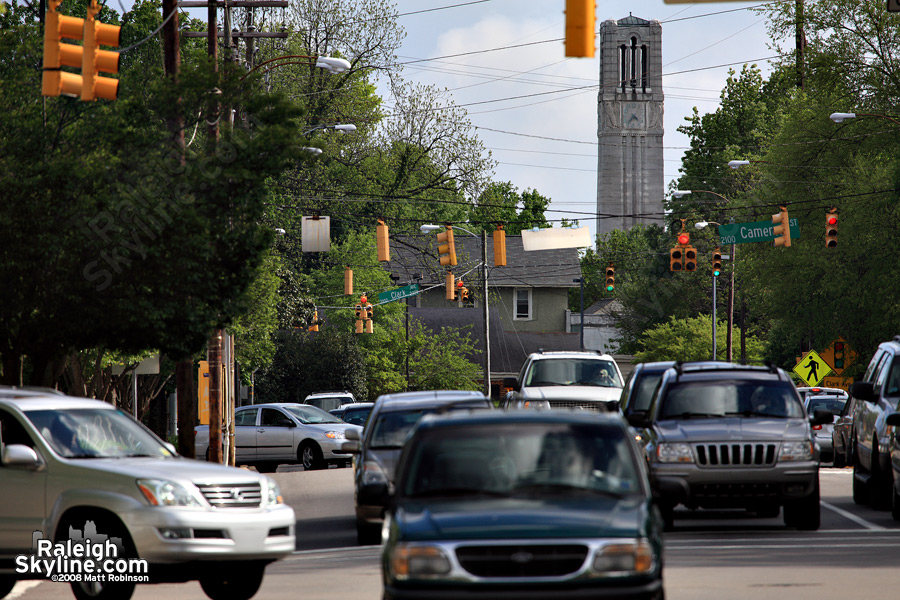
[{"x": 812, "y": 369}]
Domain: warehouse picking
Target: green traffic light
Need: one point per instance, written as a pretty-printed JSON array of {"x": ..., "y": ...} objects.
[
  {"x": 609, "y": 288},
  {"x": 716, "y": 273}
]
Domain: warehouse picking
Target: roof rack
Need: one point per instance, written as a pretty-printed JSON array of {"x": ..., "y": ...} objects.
[
  {"x": 678, "y": 367},
  {"x": 773, "y": 368},
  {"x": 897, "y": 338}
]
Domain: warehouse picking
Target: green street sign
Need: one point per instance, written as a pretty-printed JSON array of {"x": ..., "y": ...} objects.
[
  {"x": 398, "y": 294},
  {"x": 756, "y": 231}
]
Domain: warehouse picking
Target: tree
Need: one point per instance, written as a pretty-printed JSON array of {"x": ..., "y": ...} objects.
[
  {"x": 499, "y": 203},
  {"x": 690, "y": 339}
]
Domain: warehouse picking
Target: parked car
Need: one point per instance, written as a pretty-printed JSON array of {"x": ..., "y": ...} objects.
[
  {"x": 378, "y": 448},
  {"x": 722, "y": 435},
  {"x": 522, "y": 504},
  {"x": 840, "y": 435},
  {"x": 806, "y": 392},
  {"x": 267, "y": 435},
  {"x": 824, "y": 433},
  {"x": 875, "y": 398},
  {"x": 329, "y": 400},
  {"x": 586, "y": 380},
  {"x": 71, "y": 466},
  {"x": 355, "y": 414}
]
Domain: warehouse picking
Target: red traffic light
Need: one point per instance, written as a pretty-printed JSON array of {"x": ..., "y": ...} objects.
[
  {"x": 684, "y": 239},
  {"x": 459, "y": 283},
  {"x": 832, "y": 219}
]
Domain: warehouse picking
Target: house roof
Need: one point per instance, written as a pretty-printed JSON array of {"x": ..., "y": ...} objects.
[{"x": 415, "y": 255}]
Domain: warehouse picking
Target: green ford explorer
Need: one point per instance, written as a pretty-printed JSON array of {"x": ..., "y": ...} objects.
[{"x": 522, "y": 504}]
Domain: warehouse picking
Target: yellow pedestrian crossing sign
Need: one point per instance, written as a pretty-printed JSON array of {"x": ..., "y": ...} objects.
[{"x": 812, "y": 368}]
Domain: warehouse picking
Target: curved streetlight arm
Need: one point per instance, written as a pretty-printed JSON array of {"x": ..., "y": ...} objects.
[
  {"x": 682, "y": 193},
  {"x": 840, "y": 117},
  {"x": 329, "y": 63},
  {"x": 344, "y": 128},
  {"x": 429, "y": 228}
]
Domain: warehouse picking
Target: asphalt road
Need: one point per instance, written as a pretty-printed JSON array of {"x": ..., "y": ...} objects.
[{"x": 720, "y": 555}]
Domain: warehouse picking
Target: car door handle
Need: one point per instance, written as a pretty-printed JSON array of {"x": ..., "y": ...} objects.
[{"x": 261, "y": 430}]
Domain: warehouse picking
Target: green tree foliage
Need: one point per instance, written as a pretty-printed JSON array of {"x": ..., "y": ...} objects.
[
  {"x": 690, "y": 339},
  {"x": 500, "y": 203}
]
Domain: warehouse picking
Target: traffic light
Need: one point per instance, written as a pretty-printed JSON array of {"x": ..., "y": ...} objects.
[
  {"x": 95, "y": 60},
  {"x": 684, "y": 239},
  {"x": 359, "y": 320},
  {"x": 610, "y": 277},
  {"x": 690, "y": 258},
  {"x": 782, "y": 228},
  {"x": 56, "y": 54},
  {"x": 581, "y": 16},
  {"x": 460, "y": 286},
  {"x": 449, "y": 290},
  {"x": 382, "y": 242},
  {"x": 831, "y": 223},
  {"x": 499, "y": 247},
  {"x": 348, "y": 281},
  {"x": 839, "y": 355},
  {"x": 676, "y": 259},
  {"x": 315, "y": 321},
  {"x": 370, "y": 327},
  {"x": 717, "y": 262},
  {"x": 447, "y": 247}
]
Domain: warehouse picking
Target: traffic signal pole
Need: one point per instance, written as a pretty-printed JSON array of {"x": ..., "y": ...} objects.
[
  {"x": 714, "y": 318},
  {"x": 487, "y": 326}
]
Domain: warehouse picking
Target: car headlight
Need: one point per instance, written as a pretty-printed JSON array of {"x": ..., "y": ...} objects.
[
  {"x": 274, "y": 496},
  {"x": 373, "y": 473},
  {"x": 674, "y": 453},
  {"x": 418, "y": 561},
  {"x": 624, "y": 559},
  {"x": 160, "y": 492},
  {"x": 335, "y": 435},
  {"x": 796, "y": 451}
]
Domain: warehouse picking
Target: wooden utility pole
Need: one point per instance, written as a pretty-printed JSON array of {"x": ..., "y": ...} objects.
[{"x": 801, "y": 42}]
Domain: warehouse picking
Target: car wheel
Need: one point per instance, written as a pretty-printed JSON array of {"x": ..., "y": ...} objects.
[
  {"x": 266, "y": 467},
  {"x": 368, "y": 535},
  {"x": 895, "y": 498},
  {"x": 839, "y": 461},
  {"x": 240, "y": 582},
  {"x": 860, "y": 491},
  {"x": 668, "y": 516},
  {"x": 804, "y": 513},
  {"x": 310, "y": 456},
  {"x": 112, "y": 527},
  {"x": 880, "y": 484},
  {"x": 7, "y": 583}
]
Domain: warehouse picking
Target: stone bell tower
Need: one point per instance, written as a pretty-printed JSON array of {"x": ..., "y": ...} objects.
[{"x": 630, "y": 125}]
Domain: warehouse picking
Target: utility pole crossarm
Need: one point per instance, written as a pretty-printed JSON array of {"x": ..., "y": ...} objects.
[{"x": 234, "y": 3}]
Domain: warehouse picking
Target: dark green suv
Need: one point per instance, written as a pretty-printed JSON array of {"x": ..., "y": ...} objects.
[{"x": 522, "y": 504}]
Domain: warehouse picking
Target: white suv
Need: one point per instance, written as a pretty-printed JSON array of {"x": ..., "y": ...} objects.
[
  {"x": 585, "y": 380},
  {"x": 328, "y": 401},
  {"x": 75, "y": 471}
]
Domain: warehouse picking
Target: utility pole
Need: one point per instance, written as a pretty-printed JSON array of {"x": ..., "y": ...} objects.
[
  {"x": 487, "y": 326},
  {"x": 729, "y": 343}
]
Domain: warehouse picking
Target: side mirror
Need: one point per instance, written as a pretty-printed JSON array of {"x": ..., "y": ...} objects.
[
  {"x": 351, "y": 434},
  {"x": 864, "y": 390},
  {"x": 351, "y": 447},
  {"x": 821, "y": 417},
  {"x": 638, "y": 419},
  {"x": 20, "y": 455},
  {"x": 170, "y": 447},
  {"x": 893, "y": 419},
  {"x": 511, "y": 382}
]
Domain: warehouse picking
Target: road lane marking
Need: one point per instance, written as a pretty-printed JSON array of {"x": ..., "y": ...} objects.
[{"x": 854, "y": 518}]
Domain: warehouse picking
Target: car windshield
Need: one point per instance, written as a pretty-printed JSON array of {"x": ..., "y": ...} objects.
[
  {"x": 832, "y": 404},
  {"x": 573, "y": 371},
  {"x": 310, "y": 415},
  {"x": 391, "y": 428},
  {"x": 95, "y": 433},
  {"x": 356, "y": 416},
  {"x": 643, "y": 396},
  {"x": 530, "y": 459},
  {"x": 730, "y": 398}
]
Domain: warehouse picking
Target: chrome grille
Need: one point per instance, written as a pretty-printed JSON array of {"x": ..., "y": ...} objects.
[
  {"x": 522, "y": 560},
  {"x": 736, "y": 454},
  {"x": 232, "y": 495},
  {"x": 585, "y": 405}
]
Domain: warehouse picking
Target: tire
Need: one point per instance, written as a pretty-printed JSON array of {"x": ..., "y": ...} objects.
[
  {"x": 111, "y": 527},
  {"x": 860, "y": 491},
  {"x": 895, "y": 499},
  {"x": 238, "y": 582},
  {"x": 310, "y": 456},
  {"x": 839, "y": 461},
  {"x": 804, "y": 513},
  {"x": 367, "y": 535},
  {"x": 880, "y": 484},
  {"x": 668, "y": 516},
  {"x": 6, "y": 585},
  {"x": 266, "y": 467}
]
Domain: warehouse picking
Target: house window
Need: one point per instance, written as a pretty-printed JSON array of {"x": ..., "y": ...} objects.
[{"x": 523, "y": 304}]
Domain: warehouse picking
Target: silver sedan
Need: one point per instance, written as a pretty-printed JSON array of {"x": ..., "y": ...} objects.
[{"x": 267, "y": 435}]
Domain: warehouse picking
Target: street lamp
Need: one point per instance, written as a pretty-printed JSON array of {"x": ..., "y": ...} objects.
[
  {"x": 484, "y": 288},
  {"x": 329, "y": 63},
  {"x": 840, "y": 117},
  {"x": 343, "y": 128}
]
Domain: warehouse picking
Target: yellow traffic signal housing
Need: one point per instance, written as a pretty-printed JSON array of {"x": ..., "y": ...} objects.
[
  {"x": 449, "y": 289},
  {"x": 610, "y": 277},
  {"x": 95, "y": 60},
  {"x": 315, "y": 321},
  {"x": 499, "y": 247},
  {"x": 370, "y": 328},
  {"x": 382, "y": 242},
  {"x": 56, "y": 54},
  {"x": 447, "y": 247},
  {"x": 831, "y": 228},
  {"x": 717, "y": 262},
  {"x": 676, "y": 259},
  {"x": 581, "y": 16},
  {"x": 690, "y": 258},
  {"x": 359, "y": 321},
  {"x": 460, "y": 287},
  {"x": 782, "y": 228},
  {"x": 348, "y": 281}
]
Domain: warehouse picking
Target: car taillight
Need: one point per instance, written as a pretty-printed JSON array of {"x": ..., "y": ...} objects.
[{"x": 817, "y": 427}]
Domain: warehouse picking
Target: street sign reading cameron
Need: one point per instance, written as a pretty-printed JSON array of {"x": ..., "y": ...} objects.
[{"x": 755, "y": 231}]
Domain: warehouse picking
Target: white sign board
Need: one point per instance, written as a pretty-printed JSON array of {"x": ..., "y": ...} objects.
[
  {"x": 148, "y": 366},
  {"x": 550, "y": 239},
  {"x": 315, "y": 234}
]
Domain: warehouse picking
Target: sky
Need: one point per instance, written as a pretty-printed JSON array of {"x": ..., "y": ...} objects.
[{"x": 548, "y": 141}]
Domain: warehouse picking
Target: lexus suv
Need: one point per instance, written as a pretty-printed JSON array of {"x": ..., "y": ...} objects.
[
  {"x": 73, "y": 469},
  {"x": 721, "y": 435},
  {"x": 583, "y": 380}
]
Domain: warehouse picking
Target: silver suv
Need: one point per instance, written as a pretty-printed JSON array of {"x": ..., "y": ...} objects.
[
  {"x": 721, "y": 435},
  {"x": 586, "y": 380},
  {"x": 74, "y": 470}
]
